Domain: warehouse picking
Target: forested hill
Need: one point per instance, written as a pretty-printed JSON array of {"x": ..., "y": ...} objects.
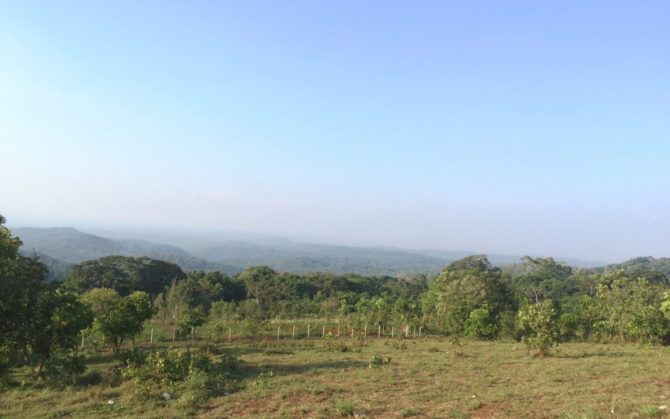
[
  {"x": 302, "y": 258},
  {"x": 654, "y": 269},
  {"x": 60, "y": 248}
]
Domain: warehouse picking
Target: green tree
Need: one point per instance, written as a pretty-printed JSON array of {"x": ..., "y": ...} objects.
[
  {"x": 58, "y": 318},
  {"x": 20, "y": 286},
  {"x": 124, "y": 275},
  {"x": 630, "y": 308},
  {"x": 538, "y": 326},
  {"x": 119, "y": 318},
  {"x": 37, "y": 321},
  {"x": 461, "y": 288}
]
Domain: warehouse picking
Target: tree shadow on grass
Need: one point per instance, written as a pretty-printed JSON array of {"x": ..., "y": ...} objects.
[
  {"x": 250, "y": 370},
  {"x": 585, "y": 355}
]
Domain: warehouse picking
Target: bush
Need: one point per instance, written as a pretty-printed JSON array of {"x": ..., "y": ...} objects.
[
  {"x": 378, "y": 361},
  {"x": 481, "y": 324},
  {"x": 539, "y": 329},
  {"x": 64, "y": 370},
  {"x": 333, "y": 344},
  {"x": 195, "y": 372},
  {"x": 196, "y": 388}
]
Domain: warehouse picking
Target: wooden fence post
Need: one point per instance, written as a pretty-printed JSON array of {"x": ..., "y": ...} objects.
[
  {"x": 323, "y": 332},
  {"x": 391, "y": 331},
  {"x": 278, "y": 329},
  {"x": 151, "y": 339},
  {"x": 294, "y": 331},
  {"x": 230, "y": 332},
  {"x": 379, "y": 331},
  {"x": 308, "y": 326}
]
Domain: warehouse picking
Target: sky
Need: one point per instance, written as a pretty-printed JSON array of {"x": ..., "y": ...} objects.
[{"x": 524, "y": 127}]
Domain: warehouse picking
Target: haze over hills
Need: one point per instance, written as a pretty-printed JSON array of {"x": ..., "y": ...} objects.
[{"x": 59, "y": 248}]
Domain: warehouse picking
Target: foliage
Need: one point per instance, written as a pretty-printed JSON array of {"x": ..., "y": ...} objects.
[
  {"x": 462, "y": 288},
  {"x": 124, "y": 275},
  {"x": 344, "y": 408},
  {"x": 38, "y": 322},
  {"x": 378, "y": 361},
  {"x": 333, "y": 344},
  {"x": 480, "y": 324},
  {"x": 118, "y": 318},
  {"x": 538, "y": 325}
]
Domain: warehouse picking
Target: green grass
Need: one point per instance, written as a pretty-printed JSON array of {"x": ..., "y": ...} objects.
[{"x": 424, "y": 379}]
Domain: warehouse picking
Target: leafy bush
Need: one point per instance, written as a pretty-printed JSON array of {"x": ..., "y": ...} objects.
[
  {"x": 63, "y": 370},
  {"x": 199, "y": 376},
  {"x": 333, "y": 344},
  {"x": 481, "y": 324},
  {"x": 196, "y": 387},
  {"x": 538, "y": 326}
]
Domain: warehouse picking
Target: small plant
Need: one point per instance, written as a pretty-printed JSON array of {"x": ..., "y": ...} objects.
[
  {"x": 333, "y": 344},
  {"x": 196, "y": 388},
  {"x": 344, "y": 408},
  {"x": 652, "y": 412},
  {"x": 409, "y": 412},
  {"x": 401, "y": 344},
  {"x": 456, "y": 345},
  {"x": 474, "y": 404},
  {"x": 378, "y": 361},
  {"x": 140, "y": 390}
]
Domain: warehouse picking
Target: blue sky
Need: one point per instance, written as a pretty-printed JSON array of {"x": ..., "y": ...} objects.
[{"x": 506, "y": 127}]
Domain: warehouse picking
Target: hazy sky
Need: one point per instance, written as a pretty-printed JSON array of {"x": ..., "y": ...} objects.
[{"x": 518, "y": 127}]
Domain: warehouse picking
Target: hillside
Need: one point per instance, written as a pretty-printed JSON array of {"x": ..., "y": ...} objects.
[
  {"x": 306, "y": 257},
  {"x": 60, "y": 248},
  {"x": 654, "y": 269}
]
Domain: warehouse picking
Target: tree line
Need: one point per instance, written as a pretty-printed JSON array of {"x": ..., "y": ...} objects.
[{"x": 539, "y": 301}]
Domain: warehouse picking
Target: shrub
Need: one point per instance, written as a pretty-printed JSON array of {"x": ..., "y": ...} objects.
[
  {"x": 456, "y": 345},
  {"x": 378, "y": 361},
  {"x": 539, "y": 329},
  {"x": 196, "y": 388},
  {"x": 64, "y": 370},
  {"x": 333, "y": 344},
  {"x": 409, "y": 412},
  {"x": 481, "y": 324}
]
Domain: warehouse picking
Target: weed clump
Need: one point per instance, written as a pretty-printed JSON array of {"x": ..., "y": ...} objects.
[
  {"x": 378, "y": 361},
  {"x": 333, "y": 344},
  {"x": 344, "y": 408}
]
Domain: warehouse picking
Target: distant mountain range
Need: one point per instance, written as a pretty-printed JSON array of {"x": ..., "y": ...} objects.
[{"x": 59, "y": 248}]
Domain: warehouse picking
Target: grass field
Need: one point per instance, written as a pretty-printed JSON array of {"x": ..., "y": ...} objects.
[{"x": 424, "y": 378}]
